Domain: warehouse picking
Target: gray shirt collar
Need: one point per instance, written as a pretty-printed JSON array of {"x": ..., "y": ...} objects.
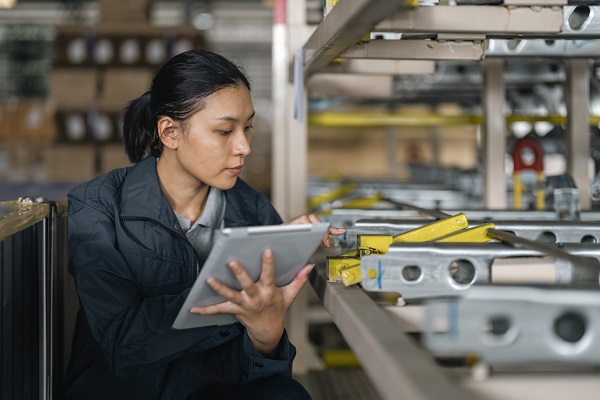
[{"x": 212, "y": 216}]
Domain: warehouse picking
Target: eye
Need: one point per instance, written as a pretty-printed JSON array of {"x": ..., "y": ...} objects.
[
  {"x": 248, "y": 128},
  {"x": 224, "y": 133}
]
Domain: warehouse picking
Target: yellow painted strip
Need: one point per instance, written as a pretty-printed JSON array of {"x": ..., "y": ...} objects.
[
  {"x": 381, "y": 119},
  {"x": 434, "y": 230},
  {"x": 339, "y": 358},
  {"x": 365, "y": 202},
  {"x": 517, "y": 190},
  {"x": 331, "y": 195},
  {"x": 541, "y": 201},
  {"x": 476, "y": 234},
  {"x": 367, "y": 120}
]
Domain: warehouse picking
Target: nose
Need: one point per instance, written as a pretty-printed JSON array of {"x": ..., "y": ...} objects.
[{"x": 241, "y": 146}]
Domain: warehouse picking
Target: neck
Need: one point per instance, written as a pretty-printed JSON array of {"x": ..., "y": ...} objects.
[{"x": 186, "y": 197}]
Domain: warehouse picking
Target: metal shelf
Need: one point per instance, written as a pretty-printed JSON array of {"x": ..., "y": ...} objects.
[
  {"x": 395, "y": 364},
  {"x": 345, "y": 25}
]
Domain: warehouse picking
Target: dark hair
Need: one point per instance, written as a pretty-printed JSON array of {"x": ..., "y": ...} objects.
[{"x": 179, "y": 89}]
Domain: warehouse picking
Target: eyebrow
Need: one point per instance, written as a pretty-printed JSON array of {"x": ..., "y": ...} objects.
[{"x": 233, "y": 119}]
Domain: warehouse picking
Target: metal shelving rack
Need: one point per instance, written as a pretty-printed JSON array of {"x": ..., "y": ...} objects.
[{"x": 490, "y": 33}]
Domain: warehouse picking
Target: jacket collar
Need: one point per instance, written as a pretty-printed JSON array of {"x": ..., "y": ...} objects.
[{"x": 142, "y": 195}]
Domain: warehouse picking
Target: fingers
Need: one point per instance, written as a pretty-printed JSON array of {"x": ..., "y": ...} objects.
[
  {"x": 246, "y": 282},
  {"x": 226, "y": 307},
  {"x": 313, "y": 219},
  {"x": 237, "y": 299},
  {"x": 267, "y": 275},
  {"x": 291, "y": 290},
  {"x": 221, "y": 308},
  {"x": 305, "y": 219},
  {"x": 336, "y": 231}
]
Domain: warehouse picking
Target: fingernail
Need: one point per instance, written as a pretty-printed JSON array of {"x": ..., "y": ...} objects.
[
  {"x": 232, "y": 265},
  {"x": 268, "y": 252}
]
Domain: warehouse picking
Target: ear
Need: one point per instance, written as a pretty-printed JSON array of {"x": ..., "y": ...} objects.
[{"x": 168, "y": 132}]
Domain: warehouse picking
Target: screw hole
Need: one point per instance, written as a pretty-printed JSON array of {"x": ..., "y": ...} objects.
[{"x": 462, "y": 272}]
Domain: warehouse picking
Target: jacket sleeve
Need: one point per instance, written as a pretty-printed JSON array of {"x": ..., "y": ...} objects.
[{"x": 132, "y": 332}]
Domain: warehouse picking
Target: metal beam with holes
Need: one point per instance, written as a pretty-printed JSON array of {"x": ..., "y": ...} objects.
[
  {"x": 517, "y": 326},
  {"x": 582, "y": 21},
  {"x": 419, "y": 271},
  {"x": 347, "y": 217},
  {"x": 549, "y": 48}
]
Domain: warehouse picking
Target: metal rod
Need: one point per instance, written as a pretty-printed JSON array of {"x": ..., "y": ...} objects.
[
  {"x": 433, "y": 213},
  {"x": 513, "y": 239}
]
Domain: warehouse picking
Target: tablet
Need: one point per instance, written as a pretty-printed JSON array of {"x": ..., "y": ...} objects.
[{"x": 292, "y": 247}]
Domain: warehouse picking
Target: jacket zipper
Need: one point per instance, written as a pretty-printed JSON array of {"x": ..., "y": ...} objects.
[{"x": 168, "y": 230}]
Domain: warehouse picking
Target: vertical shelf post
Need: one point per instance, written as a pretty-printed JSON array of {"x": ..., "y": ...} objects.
[
  {"x": 290, "y": 143},
  {"x": 577, "y": 135},
  {"x": 494, "y": 134}
]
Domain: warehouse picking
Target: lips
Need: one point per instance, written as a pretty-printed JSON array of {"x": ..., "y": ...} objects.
[{"x": 236, "y": 170}]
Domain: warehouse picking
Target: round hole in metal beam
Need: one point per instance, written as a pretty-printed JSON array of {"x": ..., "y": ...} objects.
[
  {"x": 570, "y": 327},
  {"x": 462, "y": 272},
  {"x": 512, "y": 44},
  {"x": 547, "y": 237},
  {"x": 578, "y": 17},
  {"x": 589, "y": 239},
  {"x": 411, "y": 273},
  {"x": 497, "y": 325}
]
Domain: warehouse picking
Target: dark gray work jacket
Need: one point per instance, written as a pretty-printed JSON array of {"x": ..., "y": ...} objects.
[{"x": 133, "y": 268}]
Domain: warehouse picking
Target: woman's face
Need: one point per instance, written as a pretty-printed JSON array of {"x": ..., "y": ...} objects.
[{"x": 214, "y": 147}]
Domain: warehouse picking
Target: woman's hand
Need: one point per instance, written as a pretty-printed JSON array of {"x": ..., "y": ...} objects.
[
  {"x": 313, "y": 219},
  {"x": 260, "y": 306}
]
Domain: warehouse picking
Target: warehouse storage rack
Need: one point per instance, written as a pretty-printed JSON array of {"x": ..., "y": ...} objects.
[{"x": 487, "y": 32}]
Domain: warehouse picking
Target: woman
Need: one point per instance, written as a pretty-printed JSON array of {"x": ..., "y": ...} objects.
[{"x": 139, "y": 235}]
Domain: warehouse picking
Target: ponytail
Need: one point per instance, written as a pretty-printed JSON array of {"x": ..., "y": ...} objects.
[{"x": 139, "y": 130}]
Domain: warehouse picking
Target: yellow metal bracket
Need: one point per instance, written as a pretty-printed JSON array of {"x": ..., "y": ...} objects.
[{"x": 346, "y": 267}]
